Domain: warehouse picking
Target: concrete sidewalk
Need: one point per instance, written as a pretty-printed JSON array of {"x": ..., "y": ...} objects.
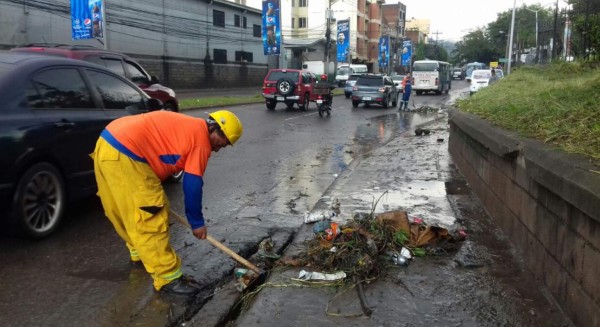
[{"x": 481, "y": 284}]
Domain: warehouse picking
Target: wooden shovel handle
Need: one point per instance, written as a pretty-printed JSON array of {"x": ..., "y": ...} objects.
[{"x": 221, "y": 246}]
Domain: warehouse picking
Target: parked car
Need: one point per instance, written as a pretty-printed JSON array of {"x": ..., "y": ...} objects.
[
  {"x": 376, "y": 89},
  {"x": 290, "y": 86},
  {"x": 114, "y": 61},
  {"x": 53, "y": 110},
  {"x": 458, "y": 73},
  {"x": 350, "y": 84},
  {"x": 479, "y": 79}
]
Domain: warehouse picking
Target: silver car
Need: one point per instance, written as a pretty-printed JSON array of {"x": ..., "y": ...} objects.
[{"x": 378, "y": 89}]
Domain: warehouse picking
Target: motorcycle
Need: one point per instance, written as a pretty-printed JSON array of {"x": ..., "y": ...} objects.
[{"x": 324, "y": 102}]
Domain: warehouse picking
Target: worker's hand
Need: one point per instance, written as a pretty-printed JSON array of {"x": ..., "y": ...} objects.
[{"x": 200, "y": 232}]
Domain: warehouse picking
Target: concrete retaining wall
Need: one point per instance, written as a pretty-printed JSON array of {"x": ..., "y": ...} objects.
[{"x": 545, "y": 200}]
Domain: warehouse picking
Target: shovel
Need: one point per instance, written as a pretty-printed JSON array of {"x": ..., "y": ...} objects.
[{"x": 222, "y": 247}]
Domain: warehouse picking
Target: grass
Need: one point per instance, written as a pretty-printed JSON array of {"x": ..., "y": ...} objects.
[
  {"x": 219, "y": 101},
  {"x": 208, "y": 102},
  {"x": 557, "y": 104}
]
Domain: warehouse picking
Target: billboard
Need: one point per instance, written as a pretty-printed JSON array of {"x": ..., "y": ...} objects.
[
  {"x": 87, "y": 19},
  {"x": 271, "y": 27},
  {"x": 406, "y": 53},
  {"x": 384, "y": 52},
  {"x": 343, "y": 41}
]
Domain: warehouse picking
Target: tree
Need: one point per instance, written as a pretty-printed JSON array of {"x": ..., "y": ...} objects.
[{"x": 585, "y": 19}]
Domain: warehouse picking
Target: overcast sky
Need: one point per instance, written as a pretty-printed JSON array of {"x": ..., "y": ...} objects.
[{"x": 454, "y": 19}]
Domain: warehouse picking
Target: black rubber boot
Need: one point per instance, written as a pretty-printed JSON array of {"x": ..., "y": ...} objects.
[{"x": 181, "y": 286}]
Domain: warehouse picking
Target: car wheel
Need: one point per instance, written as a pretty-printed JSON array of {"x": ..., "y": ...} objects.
[
  {"x": 40, "y": 200},
  {"x": 175, "y": 178},
  {"x": 395, "y": 102},
  {"x": 355, "y": 104},
  {"x": 285, "y": 86},
  {"x": 386, "y": 103},
  {"x": 169, "y": 106},
  {"x": 271, "y": 105},
  {"x": 418, "y": 92},
  {"x": 348, "y": 95},
  {"x": 304, "y": 105}
]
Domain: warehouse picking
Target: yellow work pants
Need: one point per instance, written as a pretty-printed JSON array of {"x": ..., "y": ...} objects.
[{"x": 137, "y": 206}]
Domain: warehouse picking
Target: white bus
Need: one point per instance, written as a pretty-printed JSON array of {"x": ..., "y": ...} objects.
[{"x": 431, "y": 76}]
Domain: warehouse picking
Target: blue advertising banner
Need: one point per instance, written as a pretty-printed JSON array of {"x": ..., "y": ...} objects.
[
  {"x": 384, "y": 52},
  {"x": 271, "y": 27},
  {"x": 343, "y": 41},
  {"x": 87, "y": 21},
  {"x": 406, "y": 53}
]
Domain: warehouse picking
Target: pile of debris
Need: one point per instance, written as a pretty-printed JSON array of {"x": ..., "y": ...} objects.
[{"x": 363, "y": 247}]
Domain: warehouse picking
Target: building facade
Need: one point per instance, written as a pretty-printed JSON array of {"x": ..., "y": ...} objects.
[{"x": 186, "y": 43}]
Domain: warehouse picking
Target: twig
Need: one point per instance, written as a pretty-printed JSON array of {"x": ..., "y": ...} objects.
[{"x": 361, "y": 297}]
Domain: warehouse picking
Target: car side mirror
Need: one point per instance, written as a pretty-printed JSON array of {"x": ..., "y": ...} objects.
[
  {"x": 154, "y": 80},
  {"x": 154, "y": 104}
]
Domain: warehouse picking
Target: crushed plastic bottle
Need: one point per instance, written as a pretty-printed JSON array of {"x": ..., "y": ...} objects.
[{"x": 311, "y": 217}]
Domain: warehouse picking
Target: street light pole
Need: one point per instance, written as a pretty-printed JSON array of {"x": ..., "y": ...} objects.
[
  {"x": 512, "y": 30},
  {"x": 537, "y": 45}
]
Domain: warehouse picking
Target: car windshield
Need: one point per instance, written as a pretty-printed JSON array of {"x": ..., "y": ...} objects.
[
  {"x": 343, "y": 71},
  {"x": 353, "y": 77},
  {"x": 482, "y": 74},
  {"x": 457, "y": 70},
  {"x": 277, "y": 75},
  {"x": 370, "y": 81}
]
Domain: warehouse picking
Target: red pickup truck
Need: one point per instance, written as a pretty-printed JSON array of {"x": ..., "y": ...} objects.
[{"x": 289, "y": 86}]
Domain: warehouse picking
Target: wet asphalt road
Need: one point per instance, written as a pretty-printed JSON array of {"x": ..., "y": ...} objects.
[{"x": 284, "y": 162}]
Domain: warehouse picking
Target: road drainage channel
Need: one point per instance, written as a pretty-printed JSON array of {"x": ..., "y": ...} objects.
[{"x": 245, "y": 281}]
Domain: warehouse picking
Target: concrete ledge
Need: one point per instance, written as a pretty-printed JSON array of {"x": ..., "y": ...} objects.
[{"x": 547, "y": 200}]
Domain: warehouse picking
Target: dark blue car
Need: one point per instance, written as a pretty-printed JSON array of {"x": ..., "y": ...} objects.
[{"x": 51, "y": 114}]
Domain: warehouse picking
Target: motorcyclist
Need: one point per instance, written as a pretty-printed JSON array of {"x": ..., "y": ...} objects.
[{"x": 323, "y": 83}]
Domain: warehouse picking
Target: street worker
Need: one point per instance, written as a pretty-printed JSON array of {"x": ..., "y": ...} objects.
[
  {"x": 132, "y": 156},
  {"x": 406, "y": 95},
  {"x": 406, "y": 78}
]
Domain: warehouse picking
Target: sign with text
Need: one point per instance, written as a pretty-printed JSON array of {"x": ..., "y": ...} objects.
[
  {"x": 343, "y": 41},
  {"x": 384, "y": 52},
  {"x": 87, "y": 20},
  {"x": 271, "y": 27},
  {"x": 406, "y": 53}
]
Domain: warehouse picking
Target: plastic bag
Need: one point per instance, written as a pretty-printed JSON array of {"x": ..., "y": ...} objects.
[{"x": 311, "y": 217}]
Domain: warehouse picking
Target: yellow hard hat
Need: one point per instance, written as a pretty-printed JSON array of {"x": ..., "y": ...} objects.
[{"x": 230, "y": 124}]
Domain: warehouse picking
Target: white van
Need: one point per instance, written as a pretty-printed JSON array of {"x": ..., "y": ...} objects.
[{"x": 343, "y": 71}]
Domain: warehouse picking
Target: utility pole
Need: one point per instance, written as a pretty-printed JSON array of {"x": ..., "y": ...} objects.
[
  {"x": 436, "y": 44},
  {"x": 327, "y": 38},
  {"x": 436, "y": 36}
]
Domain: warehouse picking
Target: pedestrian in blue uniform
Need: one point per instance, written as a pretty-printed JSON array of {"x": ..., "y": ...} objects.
[{"x": 406, "y": 94}]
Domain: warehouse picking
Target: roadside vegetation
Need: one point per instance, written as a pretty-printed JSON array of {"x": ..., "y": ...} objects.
[
  {"x": 209, "y": 102},
  {"x": 558, "y": 104}
]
